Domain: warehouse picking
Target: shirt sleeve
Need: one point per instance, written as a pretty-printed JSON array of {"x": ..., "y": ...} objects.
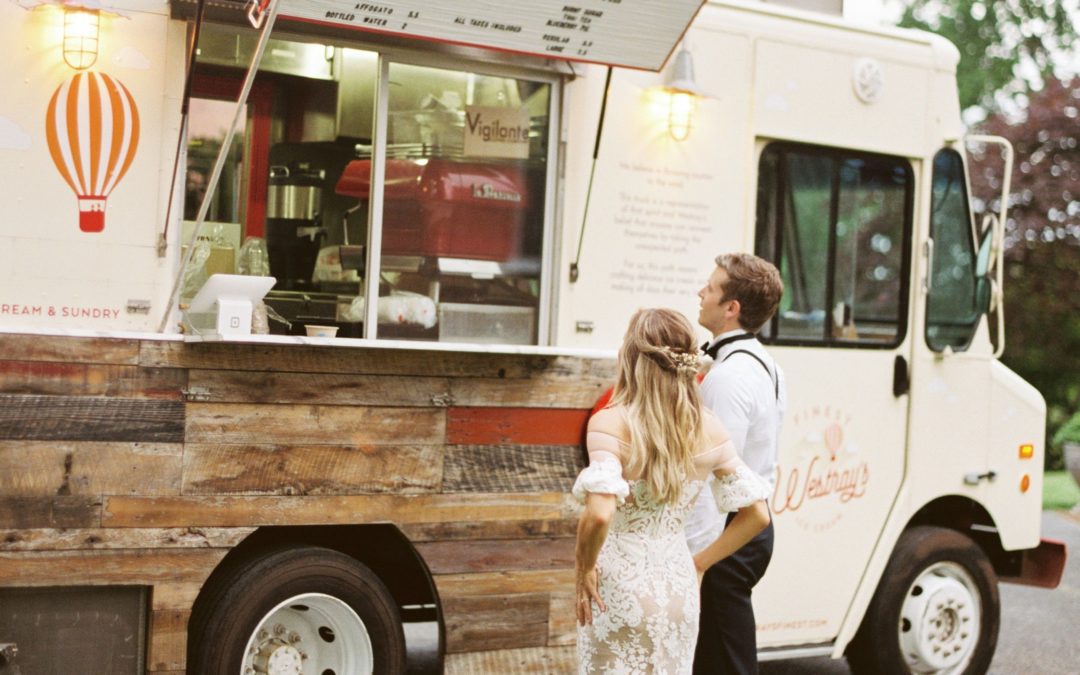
[
  {"x": 604, "y": 473},
  {"x": 729, "y": 395}
]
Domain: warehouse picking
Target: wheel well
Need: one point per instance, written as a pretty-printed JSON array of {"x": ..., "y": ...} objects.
[
  {"x": 382, "y": 548},
  {"x": 970, "y": 518}
]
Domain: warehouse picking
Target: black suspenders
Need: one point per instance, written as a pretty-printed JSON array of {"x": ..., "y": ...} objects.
[{"x": 776, "y": 380}]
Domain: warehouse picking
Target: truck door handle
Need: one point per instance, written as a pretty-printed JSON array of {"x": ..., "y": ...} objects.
[
  {"x": 901, "y": 382},
  {"x": 976, "y": 478}
]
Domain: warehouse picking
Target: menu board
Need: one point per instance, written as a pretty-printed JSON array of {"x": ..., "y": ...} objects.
[{"x": 629, "y": 33}]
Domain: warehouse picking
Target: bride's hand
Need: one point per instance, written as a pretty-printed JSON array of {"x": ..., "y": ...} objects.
[
  {"x": 700, "y": 570},
  {"x": 588, "y": 592}
]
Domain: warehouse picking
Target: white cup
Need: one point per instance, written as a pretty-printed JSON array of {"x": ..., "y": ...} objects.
[{"x": 320, "y": 331}]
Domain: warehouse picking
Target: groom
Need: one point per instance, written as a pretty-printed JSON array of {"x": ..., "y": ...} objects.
[{"x": 745, "y": 388}]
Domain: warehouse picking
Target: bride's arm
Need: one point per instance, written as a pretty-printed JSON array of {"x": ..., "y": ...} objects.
[
  {"x": 736, "y": 488},
  {"x": 601, "y": 488},
  {"x": 748, "y": 522},
  {"x": 592, "y": 530}
]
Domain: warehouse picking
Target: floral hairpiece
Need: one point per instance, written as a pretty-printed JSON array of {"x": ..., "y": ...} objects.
[{"x": 684, "y": 361}]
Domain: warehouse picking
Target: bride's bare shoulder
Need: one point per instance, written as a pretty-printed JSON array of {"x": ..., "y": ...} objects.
[
  {"x": 610, "y": 420},
  {"x": 715, "y": 431}
]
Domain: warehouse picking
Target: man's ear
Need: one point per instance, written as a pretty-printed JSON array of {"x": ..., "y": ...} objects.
[{"x": 734, "y": 309}]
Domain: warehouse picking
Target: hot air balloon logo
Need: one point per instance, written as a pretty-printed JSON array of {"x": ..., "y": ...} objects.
[{"x": 92, "y": 127}]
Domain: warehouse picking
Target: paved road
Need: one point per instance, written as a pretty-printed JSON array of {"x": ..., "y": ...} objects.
[{"x": 1038, "y": 627}]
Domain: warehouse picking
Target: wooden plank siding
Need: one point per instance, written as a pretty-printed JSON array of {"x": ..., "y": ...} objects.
[{"x": 144, "y": 462}]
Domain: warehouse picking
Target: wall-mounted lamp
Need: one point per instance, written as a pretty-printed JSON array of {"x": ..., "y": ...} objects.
[
  {"x": 81, "y": 30},
  {"x": 683, "y": 92}
]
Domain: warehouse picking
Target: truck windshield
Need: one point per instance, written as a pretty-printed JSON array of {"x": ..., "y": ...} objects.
[{"x": 952, "y": 312}]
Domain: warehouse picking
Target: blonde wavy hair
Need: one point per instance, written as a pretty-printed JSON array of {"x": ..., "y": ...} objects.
[{"x": 657, "y": 370}]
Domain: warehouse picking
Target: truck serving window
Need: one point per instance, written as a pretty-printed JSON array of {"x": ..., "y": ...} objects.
[
  {"x": 442, "y": 166},
  {"x": 952, "y": 311},
  {"x": 838, "y": 225}
]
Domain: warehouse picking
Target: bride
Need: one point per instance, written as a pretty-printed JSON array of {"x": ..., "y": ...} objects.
[{"x": 650, "y": 452}]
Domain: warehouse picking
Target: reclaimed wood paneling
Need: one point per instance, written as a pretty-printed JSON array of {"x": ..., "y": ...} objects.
[
  {"x": 496, "y": 622},
  {"x": 498, "y": 529},
  {"x": 46, "y": 468},
  {"x": 89, "y": 418},
  {"x": 353, "y": 360},
  {"x": 38, "y": 512},
  {"x": 234, "y": 386},
  {"x": 127, "y": 567},
  {"x": 504, "y": 583},
  {"x": 574, "y": 368},
  {"x": 51, "y": 539},
  {"x": 532, "y": 661},
  {"x": 449, "y": 557},
  {"x": 174, "y": 596},
  {"x": 531, "y": 393},
  {"x": 167, "y": 643},
  {"x": 241, "y": 423},
  {"x": 310, "y": 470},
  {"x": 70, "y": 349},
  {"x": 524, "y": 426},
  {"x": 81, "y": 379},
  {"x": 562, "y": 618},
  {"x": 511, "y": 468},
  {"x": 243, "y": 511}
]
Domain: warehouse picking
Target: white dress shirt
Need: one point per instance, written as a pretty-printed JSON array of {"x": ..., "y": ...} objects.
[{"x": 744, "y": 396}]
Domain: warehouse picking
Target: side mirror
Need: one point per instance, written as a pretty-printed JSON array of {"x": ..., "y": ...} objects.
[{"x": 984, "y": 294}]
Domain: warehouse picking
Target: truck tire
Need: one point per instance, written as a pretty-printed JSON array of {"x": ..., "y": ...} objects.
[
  {"x": 936, "y": 609},
  {"x": 301, "y": 609}
]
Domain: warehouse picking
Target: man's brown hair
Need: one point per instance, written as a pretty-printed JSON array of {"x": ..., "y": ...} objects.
[{"x": 755, "y": 283}]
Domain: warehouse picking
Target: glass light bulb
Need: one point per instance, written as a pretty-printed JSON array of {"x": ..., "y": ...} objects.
[
  {"x": 80, "y": 37},
  {"x": 680, "y": 115}
]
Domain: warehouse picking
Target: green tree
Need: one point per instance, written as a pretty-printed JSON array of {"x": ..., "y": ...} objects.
[
  {"x": 1007, "y": 47},
  {"x": 1042, "y": 245}
]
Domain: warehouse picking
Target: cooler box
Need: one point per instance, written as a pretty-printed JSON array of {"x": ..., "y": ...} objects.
[{"x": 445, "y": 209}]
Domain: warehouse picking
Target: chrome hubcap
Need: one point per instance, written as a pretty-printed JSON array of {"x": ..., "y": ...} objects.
[
  {"x": 940, "y": 620},
  {"x": 309, "y": 633}
]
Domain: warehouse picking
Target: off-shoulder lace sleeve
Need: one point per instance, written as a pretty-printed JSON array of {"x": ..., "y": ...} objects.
[
  {"x": 604, "y": 473},
  {"x": 742, "y": 487}
]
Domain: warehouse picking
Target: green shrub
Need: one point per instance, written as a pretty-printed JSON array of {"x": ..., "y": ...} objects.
[{"x": 1068, "y": 432}]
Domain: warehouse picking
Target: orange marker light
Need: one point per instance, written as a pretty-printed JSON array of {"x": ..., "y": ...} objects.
[
  {"x": 1025, "y": 483},
  {"x": 1027, "y": 451}
]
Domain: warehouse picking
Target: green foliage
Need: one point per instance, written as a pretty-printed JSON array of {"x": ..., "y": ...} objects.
[
  {"x": 997, "y": 39},
  {"x": 1042, "y": 246},
  {"x": 1069, "y": 432},
  {"x": 1060, "y": 490}
]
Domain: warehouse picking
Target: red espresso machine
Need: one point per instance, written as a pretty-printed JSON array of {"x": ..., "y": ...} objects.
[{"x": 446, "y": 209}]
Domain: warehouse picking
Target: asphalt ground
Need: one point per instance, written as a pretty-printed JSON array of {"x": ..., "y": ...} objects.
[{"x": 1040, "y": 629}]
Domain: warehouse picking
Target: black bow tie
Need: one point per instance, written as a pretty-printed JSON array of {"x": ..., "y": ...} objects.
[{"x": 712, "y": 351}]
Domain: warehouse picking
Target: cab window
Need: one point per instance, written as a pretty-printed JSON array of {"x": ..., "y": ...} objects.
[
  {"x": 838, "y": 226},
  {"x": 952, "y": 308}
]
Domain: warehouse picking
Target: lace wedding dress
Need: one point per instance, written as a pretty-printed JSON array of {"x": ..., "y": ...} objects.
[{"x": 647, "y": 576}]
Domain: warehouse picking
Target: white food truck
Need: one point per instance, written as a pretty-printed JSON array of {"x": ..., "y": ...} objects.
[{"x": 176, "y": 448}]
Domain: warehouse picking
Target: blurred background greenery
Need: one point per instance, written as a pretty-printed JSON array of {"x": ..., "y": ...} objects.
[{"x": 1017, "y": 76}]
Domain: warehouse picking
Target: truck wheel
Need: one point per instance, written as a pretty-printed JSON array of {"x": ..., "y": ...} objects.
[
  {"x": 299, "y": 610},
  {"x": 936, "y": 609}
]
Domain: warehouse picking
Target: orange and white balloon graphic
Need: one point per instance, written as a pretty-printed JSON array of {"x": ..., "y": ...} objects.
[{"x": 92, "y": 126}]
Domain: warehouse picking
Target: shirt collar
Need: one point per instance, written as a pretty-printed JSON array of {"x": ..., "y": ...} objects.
[{"x": 722, "y": 336}]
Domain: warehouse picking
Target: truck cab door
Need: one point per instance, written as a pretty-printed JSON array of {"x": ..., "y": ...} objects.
[
  {"x": 952, "y": 355},
  {"x": 838, "y": 224}
]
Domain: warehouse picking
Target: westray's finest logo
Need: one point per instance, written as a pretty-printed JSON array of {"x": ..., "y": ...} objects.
[{"x": 827, "y": 466}]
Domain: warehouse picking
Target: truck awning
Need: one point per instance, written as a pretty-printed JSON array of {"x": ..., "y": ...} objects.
[{"x": 638, "y": 34}]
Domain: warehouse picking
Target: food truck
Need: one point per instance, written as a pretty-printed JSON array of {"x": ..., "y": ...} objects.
[{"x": 304, "y": 305}]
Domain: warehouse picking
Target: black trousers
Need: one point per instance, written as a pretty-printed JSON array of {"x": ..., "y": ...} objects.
[{"x": 727, "y": 637}]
